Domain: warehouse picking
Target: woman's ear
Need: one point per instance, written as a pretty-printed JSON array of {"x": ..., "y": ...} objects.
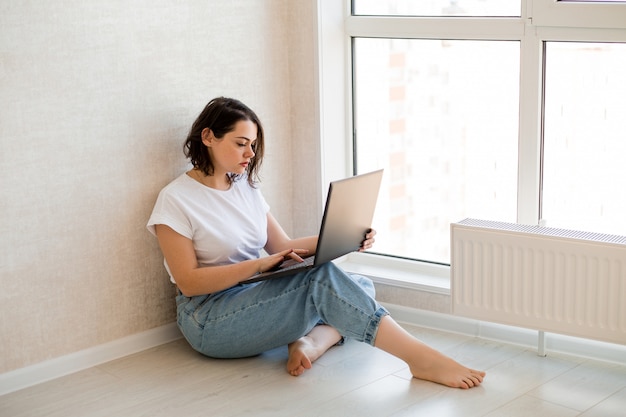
[{"x": 207, "y": 137}]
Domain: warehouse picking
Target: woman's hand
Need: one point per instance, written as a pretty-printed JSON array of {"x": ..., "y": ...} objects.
[
  {"x": 270, "y": 262},
  {"x": 369, "y": 240}
]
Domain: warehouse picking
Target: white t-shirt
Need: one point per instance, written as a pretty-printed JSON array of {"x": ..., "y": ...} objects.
[{"x": 225, "y": 226}]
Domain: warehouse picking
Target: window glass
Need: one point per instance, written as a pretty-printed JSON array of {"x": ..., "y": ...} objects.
[
  {"x": 442, "y": 118},
  {"x": 437, "y": 7},
  {"x": 584, "y": 173}
]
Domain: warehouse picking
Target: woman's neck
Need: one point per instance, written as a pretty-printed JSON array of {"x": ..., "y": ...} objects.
[{"x": 218, "y": 182}]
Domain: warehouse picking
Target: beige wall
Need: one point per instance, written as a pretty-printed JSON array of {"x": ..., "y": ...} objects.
[{"x": 95, "y": 101}]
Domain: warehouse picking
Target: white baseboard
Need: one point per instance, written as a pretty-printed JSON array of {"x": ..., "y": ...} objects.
[
  {"x": 78, "y": 361},
  {"x": 65, "y": 365},
  {"x": 554, "y": 343}
]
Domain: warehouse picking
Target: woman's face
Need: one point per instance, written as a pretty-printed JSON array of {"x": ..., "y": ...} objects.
[{"x": 233, "y": 152}]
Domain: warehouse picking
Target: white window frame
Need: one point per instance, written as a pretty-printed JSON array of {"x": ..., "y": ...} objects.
[
  {"x": 336, "y": 27},
  {"x": 563, "y": 13}
]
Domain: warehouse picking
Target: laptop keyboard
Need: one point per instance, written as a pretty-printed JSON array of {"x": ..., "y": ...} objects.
[{"x": 291, "y": 264}]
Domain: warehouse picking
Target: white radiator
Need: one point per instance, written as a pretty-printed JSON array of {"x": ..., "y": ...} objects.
[{"x": 552, "y": 280}]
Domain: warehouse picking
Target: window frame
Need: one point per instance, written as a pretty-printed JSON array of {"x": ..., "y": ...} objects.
[
  {"x": 337, "y": 28},
  {"x": 591, "y": 14}
]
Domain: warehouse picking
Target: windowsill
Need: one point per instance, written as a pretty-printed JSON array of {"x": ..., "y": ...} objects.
[{"x": 401, "y": 273}]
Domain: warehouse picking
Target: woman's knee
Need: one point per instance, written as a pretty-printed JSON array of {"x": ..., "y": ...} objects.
[
  {"x": 365, "y": 283},
  {"x": 332, "y": 271}
]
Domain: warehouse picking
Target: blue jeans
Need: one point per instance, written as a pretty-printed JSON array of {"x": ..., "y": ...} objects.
[{"x": 246, "y": 320}]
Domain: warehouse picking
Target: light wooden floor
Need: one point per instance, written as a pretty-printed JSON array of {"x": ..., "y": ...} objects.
[{"x": 353, "y": 380}]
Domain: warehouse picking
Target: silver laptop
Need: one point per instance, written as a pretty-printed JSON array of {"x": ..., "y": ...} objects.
[{"x": 348, "y": 215}]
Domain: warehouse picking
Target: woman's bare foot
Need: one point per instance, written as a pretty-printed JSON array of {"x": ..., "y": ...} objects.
[
  {"x": 300, "y": 359},
  {"x": 306, "y": 350},
  {"x": 436, "y": 367},
  {"x": 424, "y": 362}
]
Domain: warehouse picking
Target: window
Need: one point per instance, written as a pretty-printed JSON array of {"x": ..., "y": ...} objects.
[
  {"x": 441, "y": 116},
  {"x": 584, "y": 175},
  {"x": 480, "y": 108}
]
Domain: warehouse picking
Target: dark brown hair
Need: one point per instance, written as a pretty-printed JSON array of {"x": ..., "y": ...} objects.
[{"x": 220, "y": 115}]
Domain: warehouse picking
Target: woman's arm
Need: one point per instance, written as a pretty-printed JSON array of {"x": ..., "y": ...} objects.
[
  {"x": 194, "y": 280},
  {"x": 278, "y": 240}
]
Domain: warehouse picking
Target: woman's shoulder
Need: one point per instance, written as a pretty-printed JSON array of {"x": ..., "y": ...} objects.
[
  {"x": 184, "y": 187},
  {"x": 179, "y": 184},
  {"x": 177, "y": 191}
]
